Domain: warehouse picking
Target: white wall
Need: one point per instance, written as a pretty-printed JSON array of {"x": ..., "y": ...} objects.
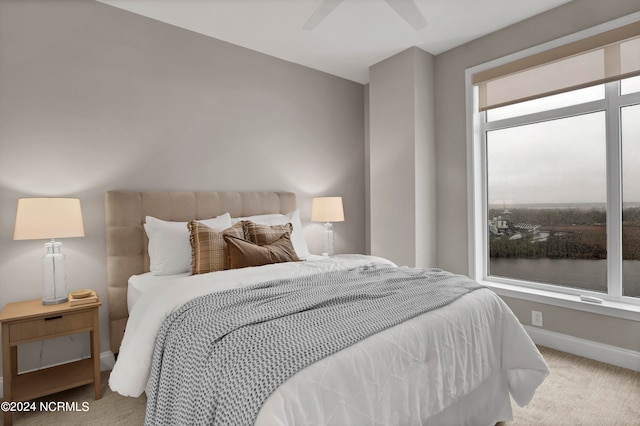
[{"x": 94, "y": 98}]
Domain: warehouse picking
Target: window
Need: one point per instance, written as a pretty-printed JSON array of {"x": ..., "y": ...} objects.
[
  {"x": 630, "y": 136},
  {"x": 630, "y": 85},
  {"x": 556, "y": 188},
  {"x": 546, "y": 188}
]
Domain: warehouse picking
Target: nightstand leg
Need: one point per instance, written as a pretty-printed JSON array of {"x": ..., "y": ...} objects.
[
  {"x": 8, "y": 421},
  {"x": 8, "y": 370},
  {"x": 14, "y": 362},
  {"x": 95, "y": 354}
]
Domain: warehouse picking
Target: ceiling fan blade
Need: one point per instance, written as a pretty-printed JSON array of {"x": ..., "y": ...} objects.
[
  {"x": 408, "y": 11},
  {"x": 321, "y": 12}
]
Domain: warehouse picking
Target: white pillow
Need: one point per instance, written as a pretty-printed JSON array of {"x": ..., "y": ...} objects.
[
  {"x": 169, "y": 246},
  {"x": 297, "y": 237}
]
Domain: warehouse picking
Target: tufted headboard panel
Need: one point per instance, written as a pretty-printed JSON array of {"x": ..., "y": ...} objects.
[{"x": 127, "y": 242}]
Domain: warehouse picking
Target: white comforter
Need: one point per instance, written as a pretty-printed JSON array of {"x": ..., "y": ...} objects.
[{"x": 418, "y": 368}]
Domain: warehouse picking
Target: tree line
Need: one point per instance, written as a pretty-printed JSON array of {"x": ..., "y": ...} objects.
[
  {"x": 567, "y": 245},
  {"x": 556, "y": 217},
  {"x": 573, "y": 234}
]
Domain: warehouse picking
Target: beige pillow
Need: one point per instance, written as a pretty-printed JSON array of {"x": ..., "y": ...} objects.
[
  {"x": 265, "y": 234},
  {"x": 208, "y": 248},
  {"x": 243, "y": 253}
]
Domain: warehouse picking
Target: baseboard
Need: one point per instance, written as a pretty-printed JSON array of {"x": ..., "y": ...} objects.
[
  {"x": 107, "y": 361},
  {"x": 585, "y": 348}
]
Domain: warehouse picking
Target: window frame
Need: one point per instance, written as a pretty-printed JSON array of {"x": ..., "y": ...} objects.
[{"x": 614, "y": 303}]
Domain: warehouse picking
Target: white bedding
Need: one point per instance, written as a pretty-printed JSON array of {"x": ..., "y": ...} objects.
[
  {"x": 422, "y": 368},
  {"x": 140, "y": 284}
]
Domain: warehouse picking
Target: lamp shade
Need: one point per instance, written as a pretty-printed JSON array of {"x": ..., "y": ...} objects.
[
  {"x": 327, "y": 209},
  {"x": 44, "y": 218}
]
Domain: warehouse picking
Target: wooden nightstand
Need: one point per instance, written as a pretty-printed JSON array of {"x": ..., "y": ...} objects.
[{"x": 30, "y": 321}]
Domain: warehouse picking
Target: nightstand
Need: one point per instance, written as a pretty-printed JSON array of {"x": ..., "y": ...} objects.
[{"x": 30, "y": 321}]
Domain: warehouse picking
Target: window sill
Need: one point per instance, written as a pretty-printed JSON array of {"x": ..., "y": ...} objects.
[{"x": 609, "y": 308}]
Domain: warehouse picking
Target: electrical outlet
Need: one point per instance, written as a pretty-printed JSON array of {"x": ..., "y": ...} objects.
[{"x": 536, "y": 318}]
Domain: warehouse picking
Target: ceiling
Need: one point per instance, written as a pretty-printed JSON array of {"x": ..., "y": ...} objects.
[{"x": 354, "y": 36}]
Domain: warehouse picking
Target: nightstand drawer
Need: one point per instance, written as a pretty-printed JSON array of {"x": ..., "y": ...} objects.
[{"x": 50, "y": 326}]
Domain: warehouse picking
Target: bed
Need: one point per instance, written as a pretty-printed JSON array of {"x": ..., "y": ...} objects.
[{"x": 459, "y": 363}]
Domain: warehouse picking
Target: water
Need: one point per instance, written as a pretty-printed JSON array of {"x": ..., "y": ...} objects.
[{"x": 577, "y": 273}]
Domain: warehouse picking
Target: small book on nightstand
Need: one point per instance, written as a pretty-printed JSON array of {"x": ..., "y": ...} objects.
[{"x": 91, "y": 298}]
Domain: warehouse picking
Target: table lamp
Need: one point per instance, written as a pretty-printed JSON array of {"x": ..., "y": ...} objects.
[
  {"x": 327, "y": 210},
  {"x": 43, "y": 218}
]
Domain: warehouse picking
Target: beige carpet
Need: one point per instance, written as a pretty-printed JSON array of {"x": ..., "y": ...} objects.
[
  {"x": 583, "y": 392},
  {"x": 111, "y": 410},
  {"x": 578, "y": 392}
]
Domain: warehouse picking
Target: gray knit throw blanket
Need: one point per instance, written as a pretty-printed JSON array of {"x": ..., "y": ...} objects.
[{"x": 220, "y": 356}]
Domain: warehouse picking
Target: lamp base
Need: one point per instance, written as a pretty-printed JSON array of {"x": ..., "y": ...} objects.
[
  {"x": 55, "y": 301},
  {"x": 328, "y": 247},
  {"x": 54, "y": 286}
]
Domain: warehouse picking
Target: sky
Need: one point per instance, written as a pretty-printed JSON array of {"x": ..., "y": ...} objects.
[{"x": 561, "y": 161}]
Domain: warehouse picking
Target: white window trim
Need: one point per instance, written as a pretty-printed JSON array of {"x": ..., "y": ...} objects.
[{"x": 568, "y": 298}]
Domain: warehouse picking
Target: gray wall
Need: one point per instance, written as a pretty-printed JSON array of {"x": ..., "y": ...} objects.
[
  {"x": 452, "y": 156},
  {"x": 94, "y": 98},
  {"x": 401, "y": 156}
]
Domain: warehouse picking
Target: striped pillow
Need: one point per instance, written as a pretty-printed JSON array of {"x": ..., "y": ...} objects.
[
  {"x": 263, "y": 235},
  {"x": 209, "y": 251}
]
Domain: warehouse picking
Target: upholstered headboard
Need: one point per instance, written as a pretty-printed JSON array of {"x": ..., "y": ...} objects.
[{"x": 127, "y": 242}]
